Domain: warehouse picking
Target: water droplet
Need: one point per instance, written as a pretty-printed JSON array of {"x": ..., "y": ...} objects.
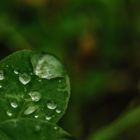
[
  {"x": 58, "y": 111},
  {"x": 30, "y": 110},
  {"x": 39, "y": 80},
  {"x": 51, "y": 105},
  {"x": 36, "y": 116},
  {"x": 43, "y": 138},
  {"x": 2, "y": 75},
  {"x": 48, "y": 118},
  {"x": 37, "y": 128},
  {"x": 47, "y": 66},
  {"x": 24, "y": 78},
  {"x": 60, "y": 81},
  {"x": 35, "y": 96},
  {"x": 9, "y": 113},
  {"x": 55, "y": 128},
  {"x": 14, "y": 104},
  {"x": 16, "y": 72}
]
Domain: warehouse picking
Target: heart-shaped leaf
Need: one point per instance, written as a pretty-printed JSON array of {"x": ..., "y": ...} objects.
[
  {"x": 33, "y": 85},
  {"x": 27, "y": 129}
]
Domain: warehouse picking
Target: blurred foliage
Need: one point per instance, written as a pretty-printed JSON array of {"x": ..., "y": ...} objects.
[{"x": 99, "y": 42}]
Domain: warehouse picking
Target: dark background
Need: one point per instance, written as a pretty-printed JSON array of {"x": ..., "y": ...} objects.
[{"x": 99, "y": 43}]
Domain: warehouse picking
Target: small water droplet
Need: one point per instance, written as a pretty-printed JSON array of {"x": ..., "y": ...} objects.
[
  {"x": 51, "y": 105},
  {"x": 36, "y": 116},
  {"x": 2, "y": 75},
  {"x": 58, "y": 111},
  {"x": 30, "y": 110},
  {"x": 9, "y": 113},
  {"x": 14, "y": 104},
  {"x": 48, "y": 118},
  {"x": 37, "y": 128},
  {"x": 43, "y": 138},
  {"x": 16, "y": 72},
  {"x": 47, "y": 66},
  {"x": 39, "y": 80},
  {"x": 55, "y": 128},
  {"x": 60, "y": 81},
  {"x": 35, "y": 96},
  {"x": 24, "y": 78}
]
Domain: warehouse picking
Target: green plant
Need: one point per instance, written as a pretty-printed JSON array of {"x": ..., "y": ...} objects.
[{"x": 34, "y": 93}]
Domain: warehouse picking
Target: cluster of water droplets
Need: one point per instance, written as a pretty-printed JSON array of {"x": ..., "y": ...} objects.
[{"x": 46, "y": 67}]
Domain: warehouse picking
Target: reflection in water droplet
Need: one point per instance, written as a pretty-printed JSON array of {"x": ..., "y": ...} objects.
[
  {"x": 47, "y": 66},
  {"x": 51, "y": 105},
  {"x": 2, "y": 75},
  {"x": 48, "y": 118},
  {"x": 14, "y": 104},
  {"x": 16, "y": 72},
  {"x": 30, "y": 110},
  {"x": 58, "y": 111},
  {"x": 24, "y": 78},
  {"x": 35, "y": 96},
  {"x": 9, "y": 113}
]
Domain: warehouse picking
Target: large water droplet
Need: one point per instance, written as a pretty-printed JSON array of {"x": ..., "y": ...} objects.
[
  {"x": 2, "y": 75},
  {"x": 51, "y": 105},
  {"x": 9, "y": 113},
  {"x": 14, "y": 104},
  {"x": 35, "y": 96},
  {"x": 47, "y": 66},
  {"x": 24, "y": 78},
  {"x": 30, "y": 110}
]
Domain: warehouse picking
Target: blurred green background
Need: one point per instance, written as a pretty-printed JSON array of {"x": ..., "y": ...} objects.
[{"x": 99, "y": 43}]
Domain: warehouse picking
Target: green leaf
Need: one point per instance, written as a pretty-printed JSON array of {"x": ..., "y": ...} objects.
[
  {"x": 27, "y": 129},
  {"x": 33, "y": 85}
]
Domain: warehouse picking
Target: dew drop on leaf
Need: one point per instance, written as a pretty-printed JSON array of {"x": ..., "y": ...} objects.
[
  {"x": 36, "y": 116},
  {"x": 16, "y": 72},
  {"x": 24, "y": 78},
  {"x": 35, "y": 96},
  {"x": 47, "y": 66},
  {"x": 14, "y": 104},
  {"x": 55, "y": 128},
  {"x": 51, "y": 105},
  {"x": 9, "y": 113},
  {"x": 58, "y": 111},
  {"x": 2, "y": 75},
  {"x": 48, "y": 118},
  {"x": 30, "y": 110},
  {"x": 37, "y": 128}
]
